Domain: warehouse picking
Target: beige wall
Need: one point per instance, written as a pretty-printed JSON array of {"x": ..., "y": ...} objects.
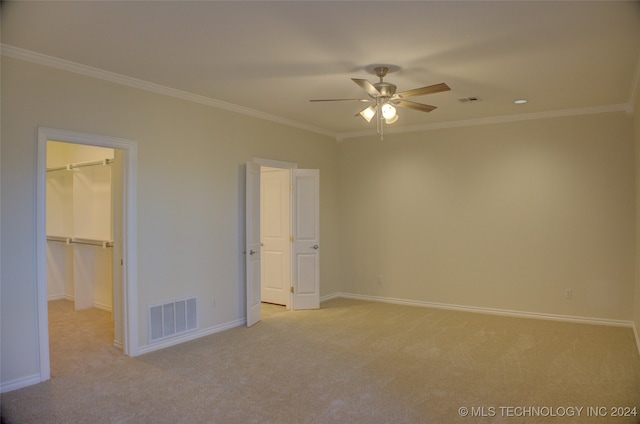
[
  {"x": 503, "y": 216},
  {"x": 190, "y": 194}
]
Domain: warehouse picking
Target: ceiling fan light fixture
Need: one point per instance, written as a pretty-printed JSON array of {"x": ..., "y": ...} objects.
[
  {"x": 391, "y": 120},
  {"x": 388, "y": 112},
  {"x": 368, "y": 113}
]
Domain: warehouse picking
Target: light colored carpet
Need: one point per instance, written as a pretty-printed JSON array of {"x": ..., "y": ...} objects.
[
  {"x": 269, "y": 309},
  {"x": 349, "y": 362}
]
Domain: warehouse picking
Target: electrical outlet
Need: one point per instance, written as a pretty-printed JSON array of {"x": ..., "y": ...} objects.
[
  {"x": 568, "y": 294},
  {"x": 213, "y": 302}
]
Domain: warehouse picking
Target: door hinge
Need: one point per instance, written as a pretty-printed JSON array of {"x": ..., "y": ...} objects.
[
  {"x": 292, "y": 290},
  {"x": 291, "y": 239},
  {"x": 291, "y": 187}
]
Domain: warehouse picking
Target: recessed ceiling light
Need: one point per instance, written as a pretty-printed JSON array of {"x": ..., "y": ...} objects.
[{"x": 520, "y": 101}]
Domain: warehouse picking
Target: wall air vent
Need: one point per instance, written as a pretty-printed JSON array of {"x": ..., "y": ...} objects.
[
  {"x": 172, "y": 319},
  {"x": 469, "y": 99}
]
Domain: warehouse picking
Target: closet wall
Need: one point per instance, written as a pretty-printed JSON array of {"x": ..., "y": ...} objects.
[{"x": 79, "y": 225}]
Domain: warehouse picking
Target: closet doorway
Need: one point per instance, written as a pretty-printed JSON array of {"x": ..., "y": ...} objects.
[{"x": 85, "y": 225}]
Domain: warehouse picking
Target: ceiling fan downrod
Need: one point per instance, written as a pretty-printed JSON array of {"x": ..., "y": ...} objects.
[{"x": 381, "y": 72}]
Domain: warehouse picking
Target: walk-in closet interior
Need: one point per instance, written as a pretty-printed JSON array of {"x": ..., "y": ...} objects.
[{"x": 80, "y": 225}]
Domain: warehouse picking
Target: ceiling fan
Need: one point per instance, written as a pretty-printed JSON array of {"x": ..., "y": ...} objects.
[{"x": 384, "y": 99}]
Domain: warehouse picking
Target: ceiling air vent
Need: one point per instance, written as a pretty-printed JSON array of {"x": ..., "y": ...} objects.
[{"x": 469, "y": 99}]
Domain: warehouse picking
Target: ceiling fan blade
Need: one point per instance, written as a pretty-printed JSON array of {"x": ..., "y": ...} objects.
[
  {"x": 413, "y": 105},
  {"x": 367, "y": 86},
  {"x": 430, "y": 89},
  {"x": 340, "y": 100}
]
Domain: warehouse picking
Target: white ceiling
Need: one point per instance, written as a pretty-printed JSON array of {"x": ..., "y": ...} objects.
[{"x": 273, "y": 57}]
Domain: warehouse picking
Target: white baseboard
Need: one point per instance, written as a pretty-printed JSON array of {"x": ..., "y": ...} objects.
[
  {"x": 102, "y": 307},
  {"x": 330, "y": 296},
  {"x": 20, "y": 383},
  {"x": 492, "y": 311},
  {"x": 60, "y": 297},
  {"x": 191, "y": 336}
]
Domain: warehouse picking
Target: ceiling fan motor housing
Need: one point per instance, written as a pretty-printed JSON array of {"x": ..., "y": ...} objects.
[{"x": 386, "y": 89}]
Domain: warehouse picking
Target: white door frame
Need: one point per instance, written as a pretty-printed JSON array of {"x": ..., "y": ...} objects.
[
  {"x": 275, "y": 163},
  {"x": 129, "y": 242}
]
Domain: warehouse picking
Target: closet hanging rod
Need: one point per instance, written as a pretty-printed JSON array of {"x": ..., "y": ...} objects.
[
  {"x": 73, "y": 240},
  {"x": 71, "y": 166}
]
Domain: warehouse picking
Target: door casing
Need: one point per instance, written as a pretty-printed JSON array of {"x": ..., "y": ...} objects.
[{"x": 129, "y": 300}]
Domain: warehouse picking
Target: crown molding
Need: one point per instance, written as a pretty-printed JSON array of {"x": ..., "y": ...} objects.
[
  {"x": 624, "y": 107},
  {"x": 66, "y": 65}
]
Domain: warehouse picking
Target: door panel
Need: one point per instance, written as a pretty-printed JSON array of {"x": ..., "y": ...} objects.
[
  {"x": 275, "y": 230},
  {"x": 252, "y": 245},
  {"x": 307, "y": 266},
  {"x": 306, "y": 234},
  {"x": 273, "y": 272}
]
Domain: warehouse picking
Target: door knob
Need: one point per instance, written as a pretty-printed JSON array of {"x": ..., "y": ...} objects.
[
  {"x": 315, "y": 246},
  {"x": 251, "y": 252}
]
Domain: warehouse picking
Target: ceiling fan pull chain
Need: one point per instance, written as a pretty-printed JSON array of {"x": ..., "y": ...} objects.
[{"x": 379, "y": 118}]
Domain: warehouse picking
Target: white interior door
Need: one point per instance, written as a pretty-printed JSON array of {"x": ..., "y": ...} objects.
[
  {"x": 275, "y": 231},
  {"x": 306, "y": 236},
  {"x": 252, "y": 245}
]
